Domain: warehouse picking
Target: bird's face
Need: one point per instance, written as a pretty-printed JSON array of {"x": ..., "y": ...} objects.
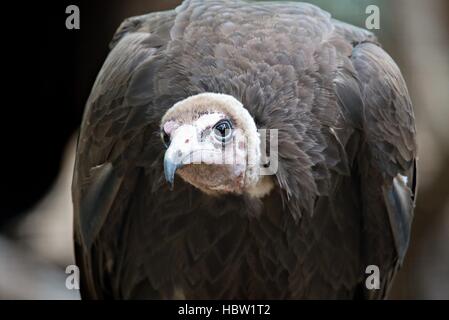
[
  {"x": 207, "y": 146},
  {"x": 208, "y": 152}
]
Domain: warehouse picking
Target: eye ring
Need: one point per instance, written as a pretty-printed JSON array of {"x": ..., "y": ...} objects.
[
  {"x": 223, "y": 131},
  {"x": 165, "y": 137}
]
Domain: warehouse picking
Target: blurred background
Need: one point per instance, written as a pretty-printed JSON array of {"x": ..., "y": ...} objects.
[{"x": 52, "y": 81}]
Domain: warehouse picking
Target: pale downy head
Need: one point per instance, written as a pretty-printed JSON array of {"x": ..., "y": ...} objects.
[{"x": 212, "y": 143}]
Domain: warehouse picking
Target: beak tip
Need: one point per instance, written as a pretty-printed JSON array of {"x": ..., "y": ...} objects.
[
  {"x": 169, "y": 171},
  {"x": 171, "y": 183}
]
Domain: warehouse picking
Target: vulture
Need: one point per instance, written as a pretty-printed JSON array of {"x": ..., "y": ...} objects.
[{"x": 243, "y": 150}]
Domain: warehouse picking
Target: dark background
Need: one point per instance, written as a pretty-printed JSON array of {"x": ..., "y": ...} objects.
[{"x": 48, "y": 72}]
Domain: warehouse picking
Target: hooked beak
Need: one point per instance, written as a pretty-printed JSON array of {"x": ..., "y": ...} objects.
[
  {"x": 170, "y": 168},
  {"x": 184, "y": 149},
  {"x": 177, "y": 151}
]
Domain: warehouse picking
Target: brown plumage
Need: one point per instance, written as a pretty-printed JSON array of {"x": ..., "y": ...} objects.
[{"x": 344, "y": 190}]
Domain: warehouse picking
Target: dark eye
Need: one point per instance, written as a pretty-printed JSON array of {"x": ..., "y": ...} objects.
[
  {"x": 165, "y": 138},
  {"x": 223, "y": 131}
]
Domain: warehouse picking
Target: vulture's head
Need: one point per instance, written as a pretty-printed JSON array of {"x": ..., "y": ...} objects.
[{"x": 212, "y": 143}]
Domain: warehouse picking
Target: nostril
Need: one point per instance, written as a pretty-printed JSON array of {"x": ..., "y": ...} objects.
[
  {"x": 179, "y": 154},
  {"x": 187, "y": 141}
]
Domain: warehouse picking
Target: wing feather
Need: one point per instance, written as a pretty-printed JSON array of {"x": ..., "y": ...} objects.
[
  {"x": 387, "y": 161},
  {"x": 108, "y": 133}
]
